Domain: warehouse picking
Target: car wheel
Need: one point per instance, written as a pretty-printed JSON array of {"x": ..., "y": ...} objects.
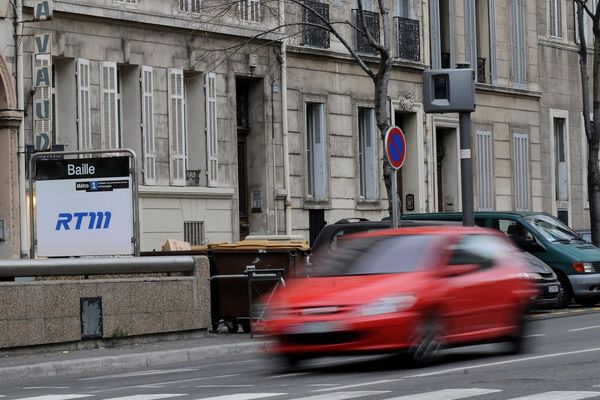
[
  {"x": 566, "y": 294},
  {"x": 427, "y": 345},
  {"x": 517, "y": 341},
  {"x": 588, "y": 301}
]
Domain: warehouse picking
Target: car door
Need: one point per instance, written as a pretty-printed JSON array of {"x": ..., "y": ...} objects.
[{"x": 472, "y": 297}]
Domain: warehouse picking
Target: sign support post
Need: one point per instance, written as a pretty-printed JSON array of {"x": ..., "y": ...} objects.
[
  {"x": 466, "y": 168},
  {"x": 395, "y": 150}
]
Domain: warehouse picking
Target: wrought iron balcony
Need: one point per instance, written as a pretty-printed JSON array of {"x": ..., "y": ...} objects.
[
  {"x": 372, "y": 22},
  {"x": 408, "y": 35},
  {"x": 481, "y": 76},
  {"x": 312, "y": 13}
]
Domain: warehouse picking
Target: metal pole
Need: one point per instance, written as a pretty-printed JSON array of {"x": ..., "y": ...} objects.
[
  {"x": 23, "y": 232},
  {"x": 394, "y": 199},
  {"x": 466, "y": 168}
]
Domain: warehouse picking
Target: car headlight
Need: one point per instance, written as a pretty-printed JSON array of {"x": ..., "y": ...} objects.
[
  {"x": 583, "y": 267},
  {"x": 534, "y": 276},
  {"x": 387, "y": 305}
]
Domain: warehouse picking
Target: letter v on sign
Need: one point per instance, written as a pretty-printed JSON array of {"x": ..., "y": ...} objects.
[
  {"x": 43, "y": 43},
  {"x": 395, "y": 147}
]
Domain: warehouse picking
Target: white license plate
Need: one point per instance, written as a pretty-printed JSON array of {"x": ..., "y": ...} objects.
[
  {"x": 552, "y": 289},
  {"x": 314, "y": 327}
]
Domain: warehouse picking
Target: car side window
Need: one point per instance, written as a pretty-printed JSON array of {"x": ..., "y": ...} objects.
[
  {"x": 514, "y": 230},
  {"x": 473, "y": 249}
]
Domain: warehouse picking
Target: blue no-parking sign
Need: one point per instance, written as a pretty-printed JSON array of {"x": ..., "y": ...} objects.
[{"x": 395, "y": 146}]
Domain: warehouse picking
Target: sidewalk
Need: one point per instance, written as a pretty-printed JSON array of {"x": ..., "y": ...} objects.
[{"x": 16, "y": 365}]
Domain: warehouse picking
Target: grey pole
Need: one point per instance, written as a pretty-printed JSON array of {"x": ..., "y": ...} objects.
[
  {"x": 466, "y": 168},
  {"x": 394, "y": 199}
]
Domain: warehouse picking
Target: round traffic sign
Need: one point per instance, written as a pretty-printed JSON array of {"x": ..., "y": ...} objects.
[{"x": 395, "y": 146}]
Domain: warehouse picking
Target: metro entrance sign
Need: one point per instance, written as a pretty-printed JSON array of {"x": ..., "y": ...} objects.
[
  {"x": 395, "y": 146},
  {"x": 395, "y": 150}
]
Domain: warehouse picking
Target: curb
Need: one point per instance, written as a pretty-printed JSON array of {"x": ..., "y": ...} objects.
[
  {"x": 572, "y": 312},
  {"x": 128, "y": 361}
]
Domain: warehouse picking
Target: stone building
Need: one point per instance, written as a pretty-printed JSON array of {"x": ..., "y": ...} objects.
[{"x": 204, "y": 107}]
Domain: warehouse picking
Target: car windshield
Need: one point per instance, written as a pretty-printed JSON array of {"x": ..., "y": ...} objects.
[
  {"x": 377, "y": 255},
  {"x": 551, "y": 228}
]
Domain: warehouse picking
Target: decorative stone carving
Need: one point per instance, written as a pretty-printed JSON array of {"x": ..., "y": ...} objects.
[{"x": 406, "y": 101}]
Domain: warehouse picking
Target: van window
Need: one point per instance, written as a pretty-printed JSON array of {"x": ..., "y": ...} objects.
[
  {"x": 514, "y": 230},
  {"x": 551, "y": 228}
]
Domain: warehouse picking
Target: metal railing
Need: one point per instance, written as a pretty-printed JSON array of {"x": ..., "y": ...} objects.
[
  {"x": 314, "y": 36},
  {"x": 408, "y": 36},
  {"x": 363, "y": 45},
  {"x": 95, "y": 266}
]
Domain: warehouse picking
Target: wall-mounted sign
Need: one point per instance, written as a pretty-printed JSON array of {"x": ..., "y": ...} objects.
[
  {"x": 84, "y": 207},
  {"x": 42, "y": 84},
  {"x": 42, "y": 10}
]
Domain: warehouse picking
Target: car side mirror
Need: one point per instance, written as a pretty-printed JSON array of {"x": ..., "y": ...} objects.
[{"x": 458, "y": 270}]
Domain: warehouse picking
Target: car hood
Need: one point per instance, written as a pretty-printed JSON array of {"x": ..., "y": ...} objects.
[
  {"x": 584, "y": 252},
  {"x": 348, "y": 290}
]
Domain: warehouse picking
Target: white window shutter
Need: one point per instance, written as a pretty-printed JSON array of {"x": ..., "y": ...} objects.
[
  {"x": 485, "y": 171},
  {"x": 148, "y": 125},
  {"x": 519, "y": 59},
  {"x": 84, "y": 123},
  {"x": 368, "y": 154},
  {"x": 319, "y": 153},
  {"x": 177, "y": 150},
  {"x": 210, "y": 84},
  {"x": 108, "y": 106},
  {"x": 521, "y": 170}
]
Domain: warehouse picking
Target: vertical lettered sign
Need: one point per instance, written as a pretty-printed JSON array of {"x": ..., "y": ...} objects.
[
  {"x": 42, "y": 10},
  {"x": 42, "y": 83}
]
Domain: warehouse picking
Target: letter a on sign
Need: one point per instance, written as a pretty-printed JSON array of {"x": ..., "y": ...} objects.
[{"x": 42, "y": 10}]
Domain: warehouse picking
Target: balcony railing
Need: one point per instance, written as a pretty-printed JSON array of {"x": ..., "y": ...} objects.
[
  {"x": 481, "y": 70},
  {"x": 372, "y": 22},
  {"x": 313, "y": 14},
  {"x": 408, "y": 35}
]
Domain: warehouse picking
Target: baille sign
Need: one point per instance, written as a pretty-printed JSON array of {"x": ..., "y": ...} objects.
[{"x": 84, "y": 207}]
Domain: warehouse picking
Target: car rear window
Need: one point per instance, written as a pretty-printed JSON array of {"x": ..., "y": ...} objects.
[{"x": 377, "y": 255}]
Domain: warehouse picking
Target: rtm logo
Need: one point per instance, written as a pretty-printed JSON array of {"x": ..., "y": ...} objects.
[{"x": 96, "y": 220}]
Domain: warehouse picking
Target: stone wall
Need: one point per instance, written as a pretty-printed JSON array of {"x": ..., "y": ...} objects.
[{"x": 45, "y": 312}]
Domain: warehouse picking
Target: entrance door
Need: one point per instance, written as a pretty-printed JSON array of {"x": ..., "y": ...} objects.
[{"x": 447, "y": 169}]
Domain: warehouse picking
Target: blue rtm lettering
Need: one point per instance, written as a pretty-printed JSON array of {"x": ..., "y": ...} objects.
[{"x": 96, "y": 220}]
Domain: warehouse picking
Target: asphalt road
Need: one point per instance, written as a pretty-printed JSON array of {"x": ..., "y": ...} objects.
[{"x": 563, "y": 364}]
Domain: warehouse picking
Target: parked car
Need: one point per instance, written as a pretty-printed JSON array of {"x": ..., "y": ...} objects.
[
  {"x": 575, "y": 261},
  {"x": 332, "y": 235},
  {"x": 585, "y": 234},
  {"x": 409, "y": 290}
]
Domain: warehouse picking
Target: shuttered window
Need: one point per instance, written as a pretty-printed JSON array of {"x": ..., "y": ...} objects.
[
  {"x": 177, "y": 134},
  {"x": 84, "y": 124},
  {"x": 470, "y": 33},
  {"x": 521, "y": 170},
  {"x": 210, "y": 84},
  {"x": 519, "y": 61},
  {"x": 249, "y": 10},
  {"x": 316, "y": 151},
  {"x": 435, "y": 34},
  {"x": 555, "y": 18},
  {"x": 147, "y": 91},
  {"x": 189, "y": 6},
  {"x": 367, "y": 151},
  {"x": 485, "y": 170},
  {"x": 111, "y": 135},
  {"x": 42, "y": 115}
]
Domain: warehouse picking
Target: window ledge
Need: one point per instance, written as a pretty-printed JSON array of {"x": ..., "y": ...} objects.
[
  {"x": 559, "y": 44},
  {"x": 185, "y": 192},
  {"x": 363, "y": 204},
  {"x": 310, "y": 203},
  {"x": 488, "y": 88}
]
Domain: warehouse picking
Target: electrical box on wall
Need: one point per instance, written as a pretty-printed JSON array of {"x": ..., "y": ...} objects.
[
  {"x": 449, "y": 90},
  {"x": 252, "y": 60}
]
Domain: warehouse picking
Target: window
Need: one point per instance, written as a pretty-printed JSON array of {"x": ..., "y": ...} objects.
[
  {"x": 314, "y": 13},
  {"x": 147, "y": 86},
  {"x": 210, "y": 84},
  {"x": 315, "y": 151},
  {"x": 561, "y": 172},
  {"x": 521, "y": 170},
  {"x": 84, "y": 125},
  {"x": 519, "y": 62},
  {"x": 367, "y": 153},
  {"x": 587, "y": 23},
  {"x": 193, "y": 232},
  {"x": 480, "y": 38},
  {"x": 109, "y": 106},
  {"x": 476, "y": 249},
  {"x": 555, "y": 20},
  {"x": 189, "y": 6},
  {"x": 177, "y": 133},
  {"x": 249, "y": 10},
  {"x": 485, "y": 170},
  {"x": 442, "y": 34},
  {"x": 371, "y": 19},
  {"x": 126, "y": 2},
  {"x": 404, "y": 8},
  {"x": 408, "y": 32}
]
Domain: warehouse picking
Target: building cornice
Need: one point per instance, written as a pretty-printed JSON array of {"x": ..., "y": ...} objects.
[{"x": 188, "y": 192}]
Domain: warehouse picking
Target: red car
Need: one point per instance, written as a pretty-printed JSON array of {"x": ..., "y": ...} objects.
[{"x": 408, "y": 290}]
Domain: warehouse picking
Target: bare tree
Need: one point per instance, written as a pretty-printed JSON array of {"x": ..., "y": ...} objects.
[
  {"x": 212, "y": 12},
  {"x": 592, "y": 128}
]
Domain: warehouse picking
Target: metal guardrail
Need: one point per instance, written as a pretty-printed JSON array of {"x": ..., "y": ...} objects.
[{"x": 95, "y": 266}]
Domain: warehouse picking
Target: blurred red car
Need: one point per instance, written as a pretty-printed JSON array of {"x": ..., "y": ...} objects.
[{"x": 413, "y": 290}]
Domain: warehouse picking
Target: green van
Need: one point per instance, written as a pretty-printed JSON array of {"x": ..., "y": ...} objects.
[{"x": 575, "y": 261}]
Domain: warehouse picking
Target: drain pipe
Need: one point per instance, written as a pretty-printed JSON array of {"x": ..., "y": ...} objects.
[
  {"x": 284, "y": 125},
  {"x": 21, "y": 138}
]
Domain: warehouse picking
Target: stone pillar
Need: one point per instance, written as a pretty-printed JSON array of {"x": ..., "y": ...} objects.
[{"x": 9, "y": 184}]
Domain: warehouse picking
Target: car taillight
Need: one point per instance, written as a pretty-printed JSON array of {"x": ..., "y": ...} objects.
[{"x": 582, "y": 267}]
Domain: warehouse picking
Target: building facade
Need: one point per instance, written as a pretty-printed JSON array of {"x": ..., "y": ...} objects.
[{"x": 244, "y": 127}]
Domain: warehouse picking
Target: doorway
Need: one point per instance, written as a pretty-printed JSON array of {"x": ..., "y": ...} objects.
[
  {"x": 410, "y": 179},
  {"x": 447, "y": 166}
]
